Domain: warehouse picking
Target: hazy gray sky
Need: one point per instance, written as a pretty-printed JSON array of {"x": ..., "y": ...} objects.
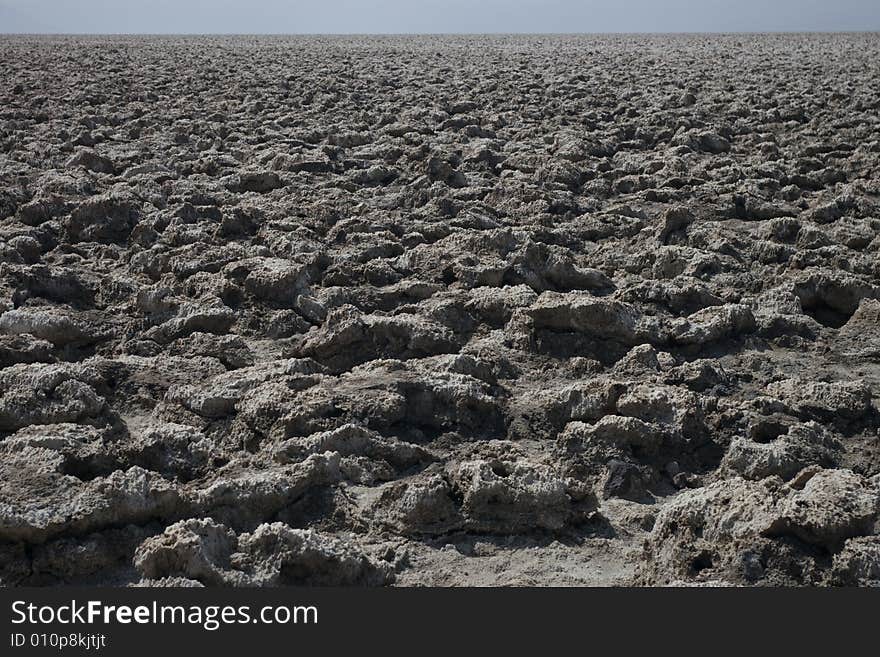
[{"x": 435, "y": 16}]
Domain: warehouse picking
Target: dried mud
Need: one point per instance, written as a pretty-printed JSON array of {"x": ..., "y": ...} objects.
[{"x": 440, "y": 310}]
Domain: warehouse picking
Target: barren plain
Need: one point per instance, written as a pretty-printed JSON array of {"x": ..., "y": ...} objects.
[{"x": 526, "y": 310}]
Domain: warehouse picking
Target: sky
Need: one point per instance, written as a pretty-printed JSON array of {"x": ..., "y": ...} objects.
[{"x": 434, "y": 16}]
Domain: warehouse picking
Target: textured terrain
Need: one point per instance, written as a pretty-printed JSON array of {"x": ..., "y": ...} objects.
[{"x": 446, "y": 311}]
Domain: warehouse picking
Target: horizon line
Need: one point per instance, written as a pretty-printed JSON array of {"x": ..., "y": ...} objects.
[{"x": 607, "y": 32}]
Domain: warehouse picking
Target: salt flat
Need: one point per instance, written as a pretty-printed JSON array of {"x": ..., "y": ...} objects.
[{"x": 540, "y": 310}]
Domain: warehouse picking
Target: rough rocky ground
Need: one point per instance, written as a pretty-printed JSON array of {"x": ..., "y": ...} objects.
[{"x": 450, "y": 311}]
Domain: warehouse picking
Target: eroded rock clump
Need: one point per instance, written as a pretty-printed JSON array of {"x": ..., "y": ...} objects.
[{"x": 476, "y": 310}]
